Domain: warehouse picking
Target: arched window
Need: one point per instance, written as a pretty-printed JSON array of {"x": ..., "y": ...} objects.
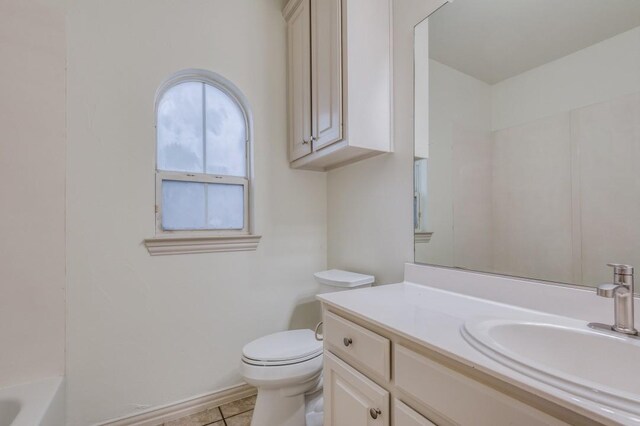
[{"x": 203, "y": 162}]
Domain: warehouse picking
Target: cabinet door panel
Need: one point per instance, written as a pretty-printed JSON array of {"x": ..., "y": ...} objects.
[
  {"x": 299, "y": 59},
  {"x": 403, "y": 415},
  {"x": 349, "y": 397},
  {"x": 326, "y": 63}
]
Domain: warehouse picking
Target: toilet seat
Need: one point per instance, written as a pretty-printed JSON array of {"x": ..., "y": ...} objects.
[
  {"x": 283, "y": 348},
  {"x": 260, "y": 363}
]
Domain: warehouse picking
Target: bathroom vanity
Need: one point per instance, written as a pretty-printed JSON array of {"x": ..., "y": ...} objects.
[{"x": 408, "y": 354}]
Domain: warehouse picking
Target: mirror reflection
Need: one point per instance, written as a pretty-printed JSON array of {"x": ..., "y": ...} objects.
[{"x": 527, "y": 137}]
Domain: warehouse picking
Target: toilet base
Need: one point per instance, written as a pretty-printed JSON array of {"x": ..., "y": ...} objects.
[
  {"x": 314, "y": 408},
  {"x": 272, "y": 408},
  {"x": 285, "y": 407}
]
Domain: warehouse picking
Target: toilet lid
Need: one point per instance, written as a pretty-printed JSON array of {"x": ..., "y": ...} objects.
[{"x": 290, "y": 345}]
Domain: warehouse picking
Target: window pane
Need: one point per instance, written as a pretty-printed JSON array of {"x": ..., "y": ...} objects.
[
  {"x": 226, "y": 134},
  {"x": 183, "y": 205},
  {"x": 225, "y": 206},
  {"x": 180, "y": 145}
]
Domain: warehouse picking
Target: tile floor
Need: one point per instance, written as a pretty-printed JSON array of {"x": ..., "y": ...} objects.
[{"x": 237, "y": 413}]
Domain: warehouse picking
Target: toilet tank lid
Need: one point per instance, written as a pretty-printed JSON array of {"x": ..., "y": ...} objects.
[{"x": 339, "y": 278}]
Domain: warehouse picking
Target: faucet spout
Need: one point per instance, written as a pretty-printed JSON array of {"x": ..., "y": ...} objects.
[{"x": 606, "y": 290}]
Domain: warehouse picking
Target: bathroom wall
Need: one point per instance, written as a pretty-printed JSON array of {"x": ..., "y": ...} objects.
[
  {"x": 459, "y": 170},
  {"x": 598, "y": 73},
  {"x": 532, "y": 200},
  {"x": 145, "y": 331},
  {"x": 562, "y": 133},
  {"x": 563, "y": 185},
  {"x": 607, "y": 137},
  {"x": 369, "y": 203},
  {"x": 32, "y": 184}
]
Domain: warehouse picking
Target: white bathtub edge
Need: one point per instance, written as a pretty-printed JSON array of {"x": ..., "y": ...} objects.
[
  {"x": 56, "y": 413},
  {"x": 41, "y": 402}
]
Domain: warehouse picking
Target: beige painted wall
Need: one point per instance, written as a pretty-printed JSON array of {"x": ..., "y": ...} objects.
[
  {"x": 144, "y": 330},
  {"x": 32, "y": 187},
  {"x": 369, "y": 203}
]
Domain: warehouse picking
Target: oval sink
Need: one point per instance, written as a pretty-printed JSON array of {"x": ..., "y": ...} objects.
[{"x": 595, "y": 365}]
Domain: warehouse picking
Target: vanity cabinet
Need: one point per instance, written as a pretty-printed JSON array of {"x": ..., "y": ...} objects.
[
  {"x": 339, "y": 81},
  {"x": 376, "y": 377}
]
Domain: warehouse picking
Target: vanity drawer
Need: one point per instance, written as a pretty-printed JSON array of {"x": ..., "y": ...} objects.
[
  {"x": 446, "y": 391},
  {"x": 358, "y": 346},
  {"x": 403, "y": 415}
]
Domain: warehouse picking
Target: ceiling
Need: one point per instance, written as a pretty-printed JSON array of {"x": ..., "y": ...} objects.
[{"x": 492, "y": 40}]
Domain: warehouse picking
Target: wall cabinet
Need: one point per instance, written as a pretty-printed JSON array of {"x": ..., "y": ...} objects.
[
  {"x": 339, "y": 81},
  {"x": 414, "y": 387}
]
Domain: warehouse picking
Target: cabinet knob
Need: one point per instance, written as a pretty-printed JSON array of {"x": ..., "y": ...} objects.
[
  {"x": 347, "y": 341},
  {"x": 374, "y": 413}
]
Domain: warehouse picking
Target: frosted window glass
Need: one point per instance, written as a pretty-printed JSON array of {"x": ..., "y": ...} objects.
[
  {"x": 226, "y": 134},
  {"x": 180, "y": 144},
  {"x": 225, "y": 206},
  {"x": 183, "y": 205}
]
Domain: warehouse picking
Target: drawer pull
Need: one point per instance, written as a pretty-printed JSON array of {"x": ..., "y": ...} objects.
[
  {"x": 374, "y": 413},
  {"x": 347, "y": 341}
]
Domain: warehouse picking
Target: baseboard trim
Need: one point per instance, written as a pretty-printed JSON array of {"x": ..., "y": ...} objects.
[{"x": 184, "y": 408}]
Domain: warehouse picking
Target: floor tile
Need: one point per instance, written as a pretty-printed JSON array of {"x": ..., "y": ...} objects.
[
  {"x": 237, "y": 407},
  {"x": 202, "y": 418},
  {"x": 243, "y": 419}
]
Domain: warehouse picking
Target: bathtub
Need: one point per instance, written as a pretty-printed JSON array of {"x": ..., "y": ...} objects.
[{"x": 39, "y": 403}]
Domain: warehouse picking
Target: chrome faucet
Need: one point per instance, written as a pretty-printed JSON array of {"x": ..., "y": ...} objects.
[{"x": 621, "y": 290}]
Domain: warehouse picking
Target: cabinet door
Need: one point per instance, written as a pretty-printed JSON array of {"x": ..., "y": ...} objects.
[
  {"x": 326, "y": 65},
  {"x": 405, "y": 416},
  {"x": 350, "y": 399},
  {"x": 299, "y": 60}
]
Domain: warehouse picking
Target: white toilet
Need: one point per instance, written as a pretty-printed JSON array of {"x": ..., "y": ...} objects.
[{"x": 286, "y": 367}]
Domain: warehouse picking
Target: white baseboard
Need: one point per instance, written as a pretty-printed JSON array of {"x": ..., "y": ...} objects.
[{"x": 159, "y": 415}]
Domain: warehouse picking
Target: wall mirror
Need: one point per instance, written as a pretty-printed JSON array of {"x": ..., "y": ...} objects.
[{"x": 527, "y": 138}]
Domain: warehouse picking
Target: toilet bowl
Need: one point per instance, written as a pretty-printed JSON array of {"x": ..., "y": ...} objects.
[{"x": 286, "y": 367}]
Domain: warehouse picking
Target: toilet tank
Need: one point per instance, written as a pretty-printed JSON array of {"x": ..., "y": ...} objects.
[{"x": 337, "y": 280}]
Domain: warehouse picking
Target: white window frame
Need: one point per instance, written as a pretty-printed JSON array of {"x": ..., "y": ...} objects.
[
  {"x": 205, "y": 240},
  {"x": 200, "y": 178}
]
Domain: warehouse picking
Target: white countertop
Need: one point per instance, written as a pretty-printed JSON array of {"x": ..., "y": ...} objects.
[{"x": 433, "y": 318}]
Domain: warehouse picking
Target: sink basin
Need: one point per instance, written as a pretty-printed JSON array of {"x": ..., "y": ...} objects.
[{"x": 596, "y": 365}]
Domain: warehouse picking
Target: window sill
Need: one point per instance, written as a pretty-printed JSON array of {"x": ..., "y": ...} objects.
[
  {"x": 423, "y": 236},
  {"x": 162, "y": 246}
]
